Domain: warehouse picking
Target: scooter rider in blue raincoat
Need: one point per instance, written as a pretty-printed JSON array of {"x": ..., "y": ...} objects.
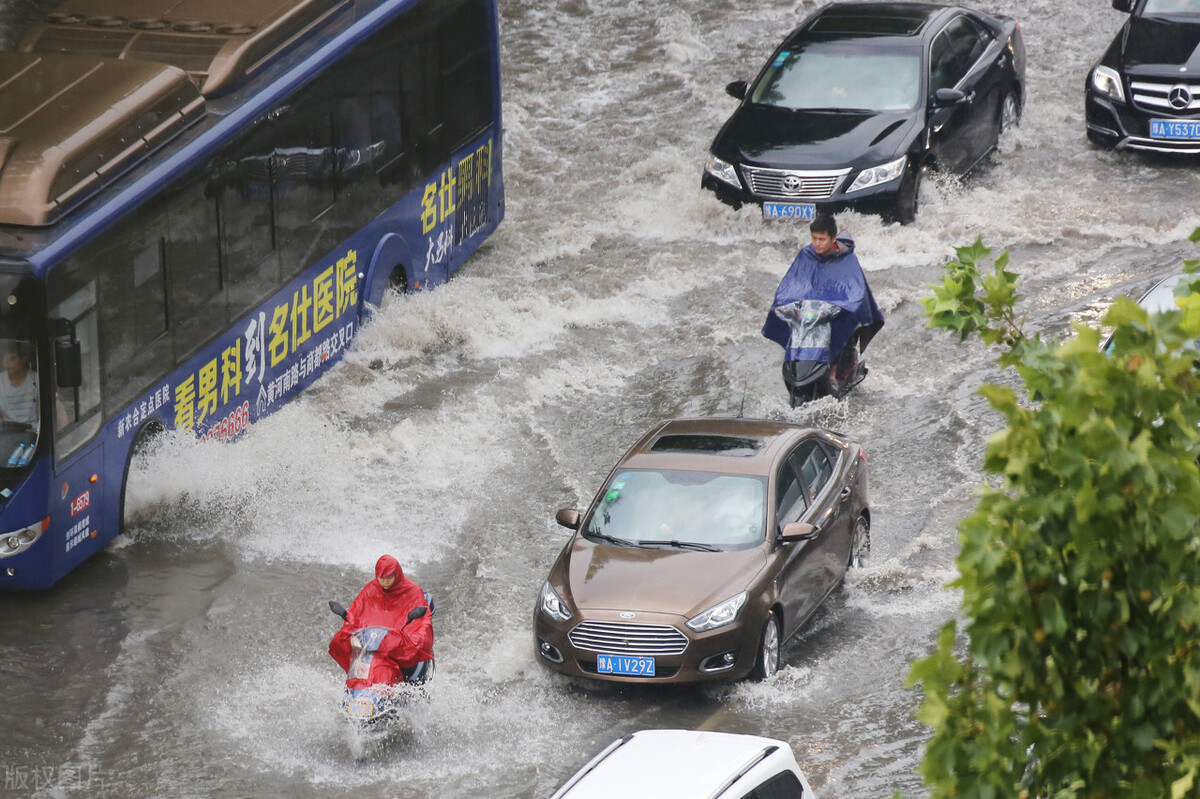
[{"x": 824, "y": 310}]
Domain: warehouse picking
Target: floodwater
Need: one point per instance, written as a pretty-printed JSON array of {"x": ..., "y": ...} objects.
[{"x": 189, "y": 659}]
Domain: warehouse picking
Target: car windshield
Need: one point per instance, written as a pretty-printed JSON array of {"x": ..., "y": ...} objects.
[
  {"x": 841, "y": 77},
  {"x": 682, "y": 509},
  {"x": 1156, "y": 8}
]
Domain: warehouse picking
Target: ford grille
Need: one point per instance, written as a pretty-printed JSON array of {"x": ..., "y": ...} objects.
[{"x": 619, "y": 638}]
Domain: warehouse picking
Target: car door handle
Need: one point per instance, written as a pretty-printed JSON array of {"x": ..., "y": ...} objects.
[{"x": 845, "y": 495}]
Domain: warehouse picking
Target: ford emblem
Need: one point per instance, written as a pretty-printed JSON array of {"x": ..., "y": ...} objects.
[{"x": 625, "y": 614}]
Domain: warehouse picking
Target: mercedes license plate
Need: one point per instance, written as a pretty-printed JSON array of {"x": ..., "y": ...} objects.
[
  {"x": 803, "y": 211},
  {"x": 620, "y": 664},
  {"x": 1187, "y": 129}
]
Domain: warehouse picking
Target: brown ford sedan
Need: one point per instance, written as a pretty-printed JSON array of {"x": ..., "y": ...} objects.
[{"x": 712, "y": 541}]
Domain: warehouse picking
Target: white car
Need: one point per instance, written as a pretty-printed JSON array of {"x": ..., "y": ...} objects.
[
  {"x": 1159, "y": 299},
  {"x": 686, "y": 764}
]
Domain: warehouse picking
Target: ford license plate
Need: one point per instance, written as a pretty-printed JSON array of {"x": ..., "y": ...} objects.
[
  {"x": 620, "y": 664},
  {"x": 1186, "y": 129},
  {"x": 802, "y": 211}
]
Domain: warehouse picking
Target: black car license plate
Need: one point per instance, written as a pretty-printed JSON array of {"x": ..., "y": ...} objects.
[
  {"x": 1185, "y": 129},
  {"x": 803, "y": 211}
]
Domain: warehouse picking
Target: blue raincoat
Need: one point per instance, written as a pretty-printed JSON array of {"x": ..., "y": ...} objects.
[{"x": 819, "y": 304}]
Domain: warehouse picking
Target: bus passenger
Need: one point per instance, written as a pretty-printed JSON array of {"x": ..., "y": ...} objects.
[{"x": 18, "y": 388}]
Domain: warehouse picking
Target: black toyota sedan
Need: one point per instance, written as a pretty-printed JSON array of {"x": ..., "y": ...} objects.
[
  {"x": 860, "y": 100},
  {"x": 1144, "y": 93}
]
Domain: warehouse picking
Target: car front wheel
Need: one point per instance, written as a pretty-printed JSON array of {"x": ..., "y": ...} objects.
[
  {"x": 768, "y": 649},
  {"x": 908, "y": 198}
]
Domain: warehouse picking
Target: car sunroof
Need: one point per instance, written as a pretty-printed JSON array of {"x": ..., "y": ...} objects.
[
  {"x": 885, "y": 26},
  {"x": 707, "y": 445}
]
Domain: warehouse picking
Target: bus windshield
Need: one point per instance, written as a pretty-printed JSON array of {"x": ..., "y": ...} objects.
[{"x": 20, "y": 400}]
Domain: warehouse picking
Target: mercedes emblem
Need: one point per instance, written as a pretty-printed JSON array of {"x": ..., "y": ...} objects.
[{"x": 1180, "y": 97}]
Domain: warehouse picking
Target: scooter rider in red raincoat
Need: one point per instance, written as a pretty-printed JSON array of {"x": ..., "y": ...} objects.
[{"x": 385, "y": 602}]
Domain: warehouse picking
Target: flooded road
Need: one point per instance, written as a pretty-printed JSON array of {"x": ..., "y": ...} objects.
[{"x": 189, "y": 659}]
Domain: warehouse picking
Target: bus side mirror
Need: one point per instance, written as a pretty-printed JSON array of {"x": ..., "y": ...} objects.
[{"x": 68, "y": 358}]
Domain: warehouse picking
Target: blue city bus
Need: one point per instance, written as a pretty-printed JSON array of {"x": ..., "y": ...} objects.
[{"x": 197, "y": 213}]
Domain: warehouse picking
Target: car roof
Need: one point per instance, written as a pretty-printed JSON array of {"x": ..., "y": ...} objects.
[
  {"x": 687, "y": 764},
  {"x": 852, "y": 20},
  {"x": 1161, "y": 296},
  {"x": 738, "y": 446}
]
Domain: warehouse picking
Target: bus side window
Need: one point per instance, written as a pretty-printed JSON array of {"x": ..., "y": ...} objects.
[
  {"x": 303, "y": 179},
  {"x": 133, "y": 310},
  {"x": 77, "y": 411},
  {"x": 240, "y": 179},
  {"x": 197, "y": 305}
]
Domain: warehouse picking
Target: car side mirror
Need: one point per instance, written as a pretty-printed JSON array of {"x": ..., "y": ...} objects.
[
  {"x": 1123, "y": 5},
  {"x": 943, "y": 98},
  {"x": 797, "y": 531},
  {"x": 568, "y": 517},
  {"x": 737, "y": 89}
]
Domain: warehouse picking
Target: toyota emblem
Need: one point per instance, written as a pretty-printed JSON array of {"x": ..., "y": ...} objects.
[
  {"x": 625, "y": 614},
  {"x": 792, "y": 183},
  {"x": 1180, "y": 97}
]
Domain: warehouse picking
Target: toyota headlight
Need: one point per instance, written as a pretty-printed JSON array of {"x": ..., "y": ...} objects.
[
  {"x": 723, "y": 171},
  {"x": 552, "y": 605},
  {"x": 1106, "y": 81},
  {"x": 878, "y": 175},
  {"x": 718, "y": 615}
]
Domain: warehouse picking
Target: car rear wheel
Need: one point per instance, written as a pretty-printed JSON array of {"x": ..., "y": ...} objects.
[
  {"x": 860, "y": 544},
  {"x": 768, "y": 649},
  {"x": 1010, "y": 113}
]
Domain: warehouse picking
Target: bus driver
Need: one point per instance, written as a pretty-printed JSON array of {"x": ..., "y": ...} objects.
[{"x": 18, "y": 387}]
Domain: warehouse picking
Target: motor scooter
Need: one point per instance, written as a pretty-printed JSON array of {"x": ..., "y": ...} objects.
[
  {"x": 377, "y": 707},
  {"x": 808, "y": 380}
]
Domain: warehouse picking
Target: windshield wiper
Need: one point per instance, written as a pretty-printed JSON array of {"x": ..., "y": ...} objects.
[
  {"x": 621, "y": 542},
  {"x": 696, "y": 545}
]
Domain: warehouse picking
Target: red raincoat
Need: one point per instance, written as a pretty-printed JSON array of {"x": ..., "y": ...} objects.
[{"x": 404, "y": 646}]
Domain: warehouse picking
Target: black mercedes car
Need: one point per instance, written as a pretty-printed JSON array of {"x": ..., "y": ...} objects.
[
  {"x": 859, "y": 100},
  {"x": 1144, "y": 93}
]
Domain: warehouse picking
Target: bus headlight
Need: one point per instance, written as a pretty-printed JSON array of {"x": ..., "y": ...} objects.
[{"x": 20, "y": 540}]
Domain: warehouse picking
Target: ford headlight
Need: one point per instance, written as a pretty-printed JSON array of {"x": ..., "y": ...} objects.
[
  {"x": 552, "y": 605},
  {"x": 877, "y": 175},
  {"x": 723, "y": 171},
  {"x": 1106, "y": 81},
  {"x": 718, "y": 615}
]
